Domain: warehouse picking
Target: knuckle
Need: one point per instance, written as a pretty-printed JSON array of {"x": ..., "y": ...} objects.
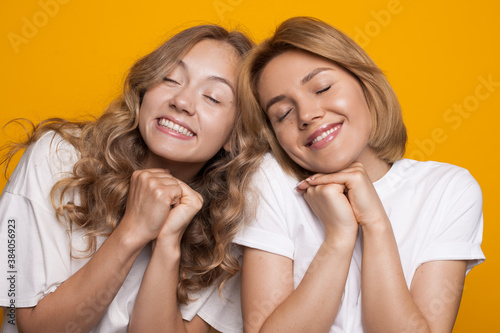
[
  {"x": 143, "y": 175},
  {"x": 358, "y": 175},
  {"x": 136, "y": 174},
  {"x": 158, "y": 193},
  {"x": 330, "y": 189}
]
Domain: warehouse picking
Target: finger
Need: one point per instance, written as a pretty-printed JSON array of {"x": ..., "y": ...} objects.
[
  {"x": 161, "y": 173},
  {"x": 324, "y": 179},
  {"x": 328, "y": 189},
  {"x": 347, "y": 178},
  {"x": 141, "y": 176},
  {"x": 175, "y": 194},
  {"x": 187, "y": 191},
  {"x": 301, "y": 186}
]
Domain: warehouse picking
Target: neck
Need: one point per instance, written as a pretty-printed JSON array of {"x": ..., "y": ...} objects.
[
  {"x": 184, "y": 171},
  {"x": 374, "y": 166}
]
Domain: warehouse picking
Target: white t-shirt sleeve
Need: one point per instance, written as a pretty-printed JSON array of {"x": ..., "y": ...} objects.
[
  {"x": 38, "y": 260},
  {"x": 269, "y": 230},
  {"x": 221, "y": 310},
  {"x": 459, "y": 229}
]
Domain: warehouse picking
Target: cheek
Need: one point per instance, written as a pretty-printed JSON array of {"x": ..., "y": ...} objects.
[
  {"x": 285, "y": 137},
  {"x": 140, "y": 117},
  {"x": 367, "y": 120},
  {"x": 221, "y": 124}
]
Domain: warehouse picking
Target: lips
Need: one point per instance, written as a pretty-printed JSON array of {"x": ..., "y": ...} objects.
[
  {"x": 324, "y": 133},
  {"x": 173, "y": 126}
]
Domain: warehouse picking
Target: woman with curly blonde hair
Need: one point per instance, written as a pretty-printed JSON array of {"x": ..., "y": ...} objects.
[{"x": 87, "y": 199}]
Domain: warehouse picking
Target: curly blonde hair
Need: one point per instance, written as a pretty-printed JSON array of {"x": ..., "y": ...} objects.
[
  {"x": 111, "y": 149},
  {"x": 388, "y": 137}
]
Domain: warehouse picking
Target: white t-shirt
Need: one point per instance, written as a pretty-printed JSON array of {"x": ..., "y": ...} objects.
[
  {"x": 35, "y": 250},
  {"x": 435, "y": 210}
]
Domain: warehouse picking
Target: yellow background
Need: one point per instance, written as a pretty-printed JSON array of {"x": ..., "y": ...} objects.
[{"x": 71, "y": 59}]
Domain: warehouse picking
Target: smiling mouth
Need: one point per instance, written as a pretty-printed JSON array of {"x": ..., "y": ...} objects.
[
  {"x": 175, "y": 127},
  {"x": 319, "y": 135}
]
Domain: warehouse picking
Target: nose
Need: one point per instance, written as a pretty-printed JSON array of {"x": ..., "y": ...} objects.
[
  {"x": 183, "y": 101},
  {"x": 308, "y": 114}
]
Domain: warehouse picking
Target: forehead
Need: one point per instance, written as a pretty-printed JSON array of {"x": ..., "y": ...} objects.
[
  {"x": 294, "y": 64},
  {"x": 212, "y": 54}
]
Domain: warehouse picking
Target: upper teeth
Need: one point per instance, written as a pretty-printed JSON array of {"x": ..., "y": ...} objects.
[
  {"x": 175, "y": 127},
  {"x": 325, "y": 134}
]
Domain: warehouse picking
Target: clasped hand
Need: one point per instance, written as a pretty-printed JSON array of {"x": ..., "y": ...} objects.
[
  {"x": 159, "y": 205},
  {"x": 344, "y": 199}
]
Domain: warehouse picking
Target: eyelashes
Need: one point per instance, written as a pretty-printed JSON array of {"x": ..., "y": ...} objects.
[
  {"x": 284, "y": 115},
  {"x": 167, "y": 79},
  {"x": 213, "y": 100},
  {"x": 318, "y": 92},
  {"x": 208, "y": 97}
]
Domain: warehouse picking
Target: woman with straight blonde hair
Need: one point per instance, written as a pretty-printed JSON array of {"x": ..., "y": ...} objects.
[
  {"x": 366, "y": 240},
  {"x": 115, "y": 223}
]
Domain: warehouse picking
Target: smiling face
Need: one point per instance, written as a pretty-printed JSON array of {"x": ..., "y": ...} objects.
[
  {"x": 186, "y": 119},
  {"x": 318, "y": 111}
]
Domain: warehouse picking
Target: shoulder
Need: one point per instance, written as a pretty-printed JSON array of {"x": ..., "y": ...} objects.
[
  {"x": 269, "y": 165},
  {"x": 43, "y": 163},
  {"x": 434, "y": 171},
  {"x": 271, "y": 183},
  {"x": 50, "y": 149},
  {"x": 437, "y": 177},
  {"x": 270, "y": 171}
]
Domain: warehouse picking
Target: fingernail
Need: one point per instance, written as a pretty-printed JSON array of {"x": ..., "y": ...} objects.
[
  {"x": 297, "y": 185},
  {"x": 310, "y": 179}
]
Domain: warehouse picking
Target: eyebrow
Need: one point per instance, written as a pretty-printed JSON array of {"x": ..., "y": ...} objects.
[
  {"x": 274, "y": 100},
  {"x": 223, "y": 80},
  {"x": 312, "y": 74},
  {"x": 211, "y": 77},
  {"x": 304, "y": 80}
]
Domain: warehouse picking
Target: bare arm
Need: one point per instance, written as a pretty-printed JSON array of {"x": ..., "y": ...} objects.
[
  {"x": 269, "y": 300},
  {"x": 437, "y": 290},
  {"x": 388, "y": 305},
  {"x": 156, "y": 308},
  {"x": 81, "y": 300}
]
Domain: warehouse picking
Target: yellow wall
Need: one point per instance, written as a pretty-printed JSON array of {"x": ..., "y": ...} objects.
[{"x": 70, "y": 59}]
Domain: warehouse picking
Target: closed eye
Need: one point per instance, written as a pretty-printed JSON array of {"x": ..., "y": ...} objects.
[
  {"x": 211, "y": 99},
  {"x": 284, "y": 116},
  {"x": 167, "y": 79},
  {"x": 319, "y": 92}
]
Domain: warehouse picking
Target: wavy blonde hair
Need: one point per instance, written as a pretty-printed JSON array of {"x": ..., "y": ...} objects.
[
  {"x": 111, "y": 149},
  {"x": 388, "y": 137}
]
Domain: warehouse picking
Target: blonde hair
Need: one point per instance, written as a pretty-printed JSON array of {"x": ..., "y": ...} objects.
[
  {"x": 111, "y": 149},
  {"x": 388, "y": 137}
]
